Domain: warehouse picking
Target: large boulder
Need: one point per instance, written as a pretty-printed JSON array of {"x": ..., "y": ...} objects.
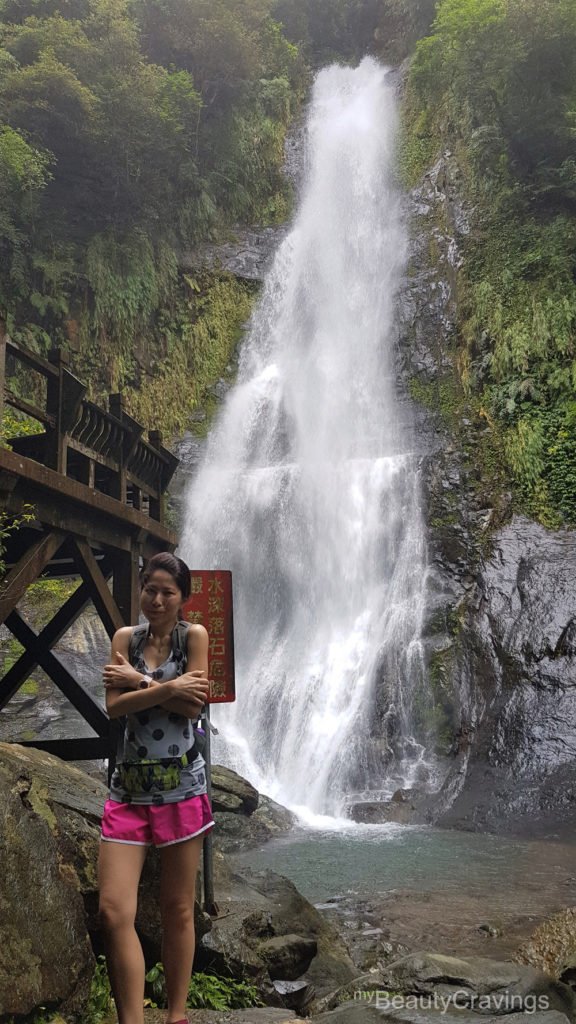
[
  {"x": 49, "y": 843},
  {"x": 482, "y": 984},
  {"x": 236, "y": 830},
  {"x": 266, "y": 930},
  {"x": 45, "y": 952},
  {"x": 230, "y": 792}
]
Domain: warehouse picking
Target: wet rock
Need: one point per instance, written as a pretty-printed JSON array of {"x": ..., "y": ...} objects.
[
  {"x": 225, "y": 951},
  {"x": 247, "y": 255},
  {"x": 287, "y": 956},
  {"x": 568, "y": 972},
  {"x": 402, "y": 796},
  {"x": 489, "y": 985},
  {"x": 227, "y": 783},
  {"x": 222, "y": 801},
  {"x": 236, "y": 832},
  {"x": 519, "y": 671},
  {"x": 403, "y": 813},
  {"x": 256, "y": 907},
  {"x": 332, "y": 966},
  {"x": 297, "y": 995}
]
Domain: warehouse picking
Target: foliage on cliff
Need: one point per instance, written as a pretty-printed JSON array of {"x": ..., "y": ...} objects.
[
  {"x": 325, "y": 30},
  {"x": 130, "y": 128},
  {"x": 496, "y": 83}
]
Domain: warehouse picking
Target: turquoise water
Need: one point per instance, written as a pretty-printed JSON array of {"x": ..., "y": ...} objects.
[{"x": 367, "y": 861}]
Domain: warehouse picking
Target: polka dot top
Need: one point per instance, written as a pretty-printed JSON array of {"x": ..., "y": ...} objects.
[{"x": 157, "y": 733}]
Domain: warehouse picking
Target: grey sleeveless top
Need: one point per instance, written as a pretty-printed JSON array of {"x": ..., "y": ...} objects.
[{"x": 157, "y": 733}]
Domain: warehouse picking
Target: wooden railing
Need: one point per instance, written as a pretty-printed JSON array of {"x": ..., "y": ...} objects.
[{"x": 103, "y": 449}]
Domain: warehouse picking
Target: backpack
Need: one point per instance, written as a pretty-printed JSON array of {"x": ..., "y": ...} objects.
[{"x": 180, "y": 651}]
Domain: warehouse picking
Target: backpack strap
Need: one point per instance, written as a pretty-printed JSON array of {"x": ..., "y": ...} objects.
[
  {"x": 180, "y": 644},
  {"x": 137, "y": 642}
]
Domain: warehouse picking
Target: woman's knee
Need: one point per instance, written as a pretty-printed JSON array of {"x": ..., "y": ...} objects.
[
  {"x": 115, "y": 914},
  {"x": 177, "y": 910}
]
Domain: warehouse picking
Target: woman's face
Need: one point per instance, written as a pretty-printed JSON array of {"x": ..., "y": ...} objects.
[{"x": 161, "y": 596}]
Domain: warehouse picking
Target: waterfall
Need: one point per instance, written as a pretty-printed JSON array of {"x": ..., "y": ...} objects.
[{"x": 309, "y": 491}]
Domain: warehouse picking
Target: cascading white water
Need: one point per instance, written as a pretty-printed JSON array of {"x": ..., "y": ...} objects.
[{"x": 307, "y": 492}]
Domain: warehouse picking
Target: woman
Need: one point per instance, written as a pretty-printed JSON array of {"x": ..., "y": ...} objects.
[{"x": 158, "y": 791}]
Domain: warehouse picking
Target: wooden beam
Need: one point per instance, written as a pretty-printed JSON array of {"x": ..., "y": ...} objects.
[
  {"x": 126, "y": 583},
  {"x": 34, "y": 411},
  {"x": 27, "y": 570},
  {"x": 31, "y": 359},
  {"x": 76, "y": 693},
  {"x": 49, "y": 636},
  {"x": 89, "y": 748},
  {"x": 74, "y": 495},
  {"x": 96, "y": 582}
]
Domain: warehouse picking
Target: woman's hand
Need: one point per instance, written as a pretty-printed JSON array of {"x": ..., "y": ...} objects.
[
  {"x": 193, "y": 687},
  {"x": 121, "y": 675}
]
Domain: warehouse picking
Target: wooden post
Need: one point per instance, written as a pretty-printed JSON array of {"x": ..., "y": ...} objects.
[
  {"x": 97, "y": 586},
  {"x": 156, "y": 507},
  {"x": 119, "y": 491},
  {"x": 126, "y": 584},
  {"x": 56, "y": 447}
]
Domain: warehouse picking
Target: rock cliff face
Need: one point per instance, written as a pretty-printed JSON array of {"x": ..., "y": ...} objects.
[{"x": 501, "y": 632}]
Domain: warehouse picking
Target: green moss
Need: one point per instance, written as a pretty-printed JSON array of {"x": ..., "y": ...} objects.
[
  {"x": 441, "y": 718},
  {"x": 444, "y": 396},
  {"x": 418, "y": 141},
  {"x": 201, "y": 336},
  {"x": 37, "y": 797},
  {"x": 30, "y": 688}
]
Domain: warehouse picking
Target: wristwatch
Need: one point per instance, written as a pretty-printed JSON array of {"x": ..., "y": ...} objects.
[{"x": 145, "y": 682}]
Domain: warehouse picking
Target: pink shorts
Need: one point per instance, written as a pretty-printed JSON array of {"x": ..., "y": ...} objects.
[{"x": 148, "y": 824}]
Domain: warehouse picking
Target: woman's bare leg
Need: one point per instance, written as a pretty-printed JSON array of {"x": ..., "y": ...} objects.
[
  {"x": 119, "y": 869},
  {"x": 179, "y": 866}
]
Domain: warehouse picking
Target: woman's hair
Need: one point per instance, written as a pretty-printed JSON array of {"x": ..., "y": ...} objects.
[{"x": 172, "y": 564}]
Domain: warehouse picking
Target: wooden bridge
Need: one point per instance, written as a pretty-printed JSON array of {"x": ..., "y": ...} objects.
[{"x": 96, "y": 487}]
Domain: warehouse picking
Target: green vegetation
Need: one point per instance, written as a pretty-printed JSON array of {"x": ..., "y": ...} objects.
[
  {"x": 328, "y": 30},
  {"x": 100, "y": 1002},
  {"x": 8, "y": 524},
  {"x": 206, "y": 992},
  {"x": 495, "y": 82},
  {"x": 129, "y": 130}
]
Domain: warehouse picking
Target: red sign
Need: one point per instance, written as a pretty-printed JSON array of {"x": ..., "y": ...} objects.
[{"x": 210, "y": 604}]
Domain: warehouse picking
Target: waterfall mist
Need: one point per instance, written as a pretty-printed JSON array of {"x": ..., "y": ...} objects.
[{"x": 308, "y": 492}]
